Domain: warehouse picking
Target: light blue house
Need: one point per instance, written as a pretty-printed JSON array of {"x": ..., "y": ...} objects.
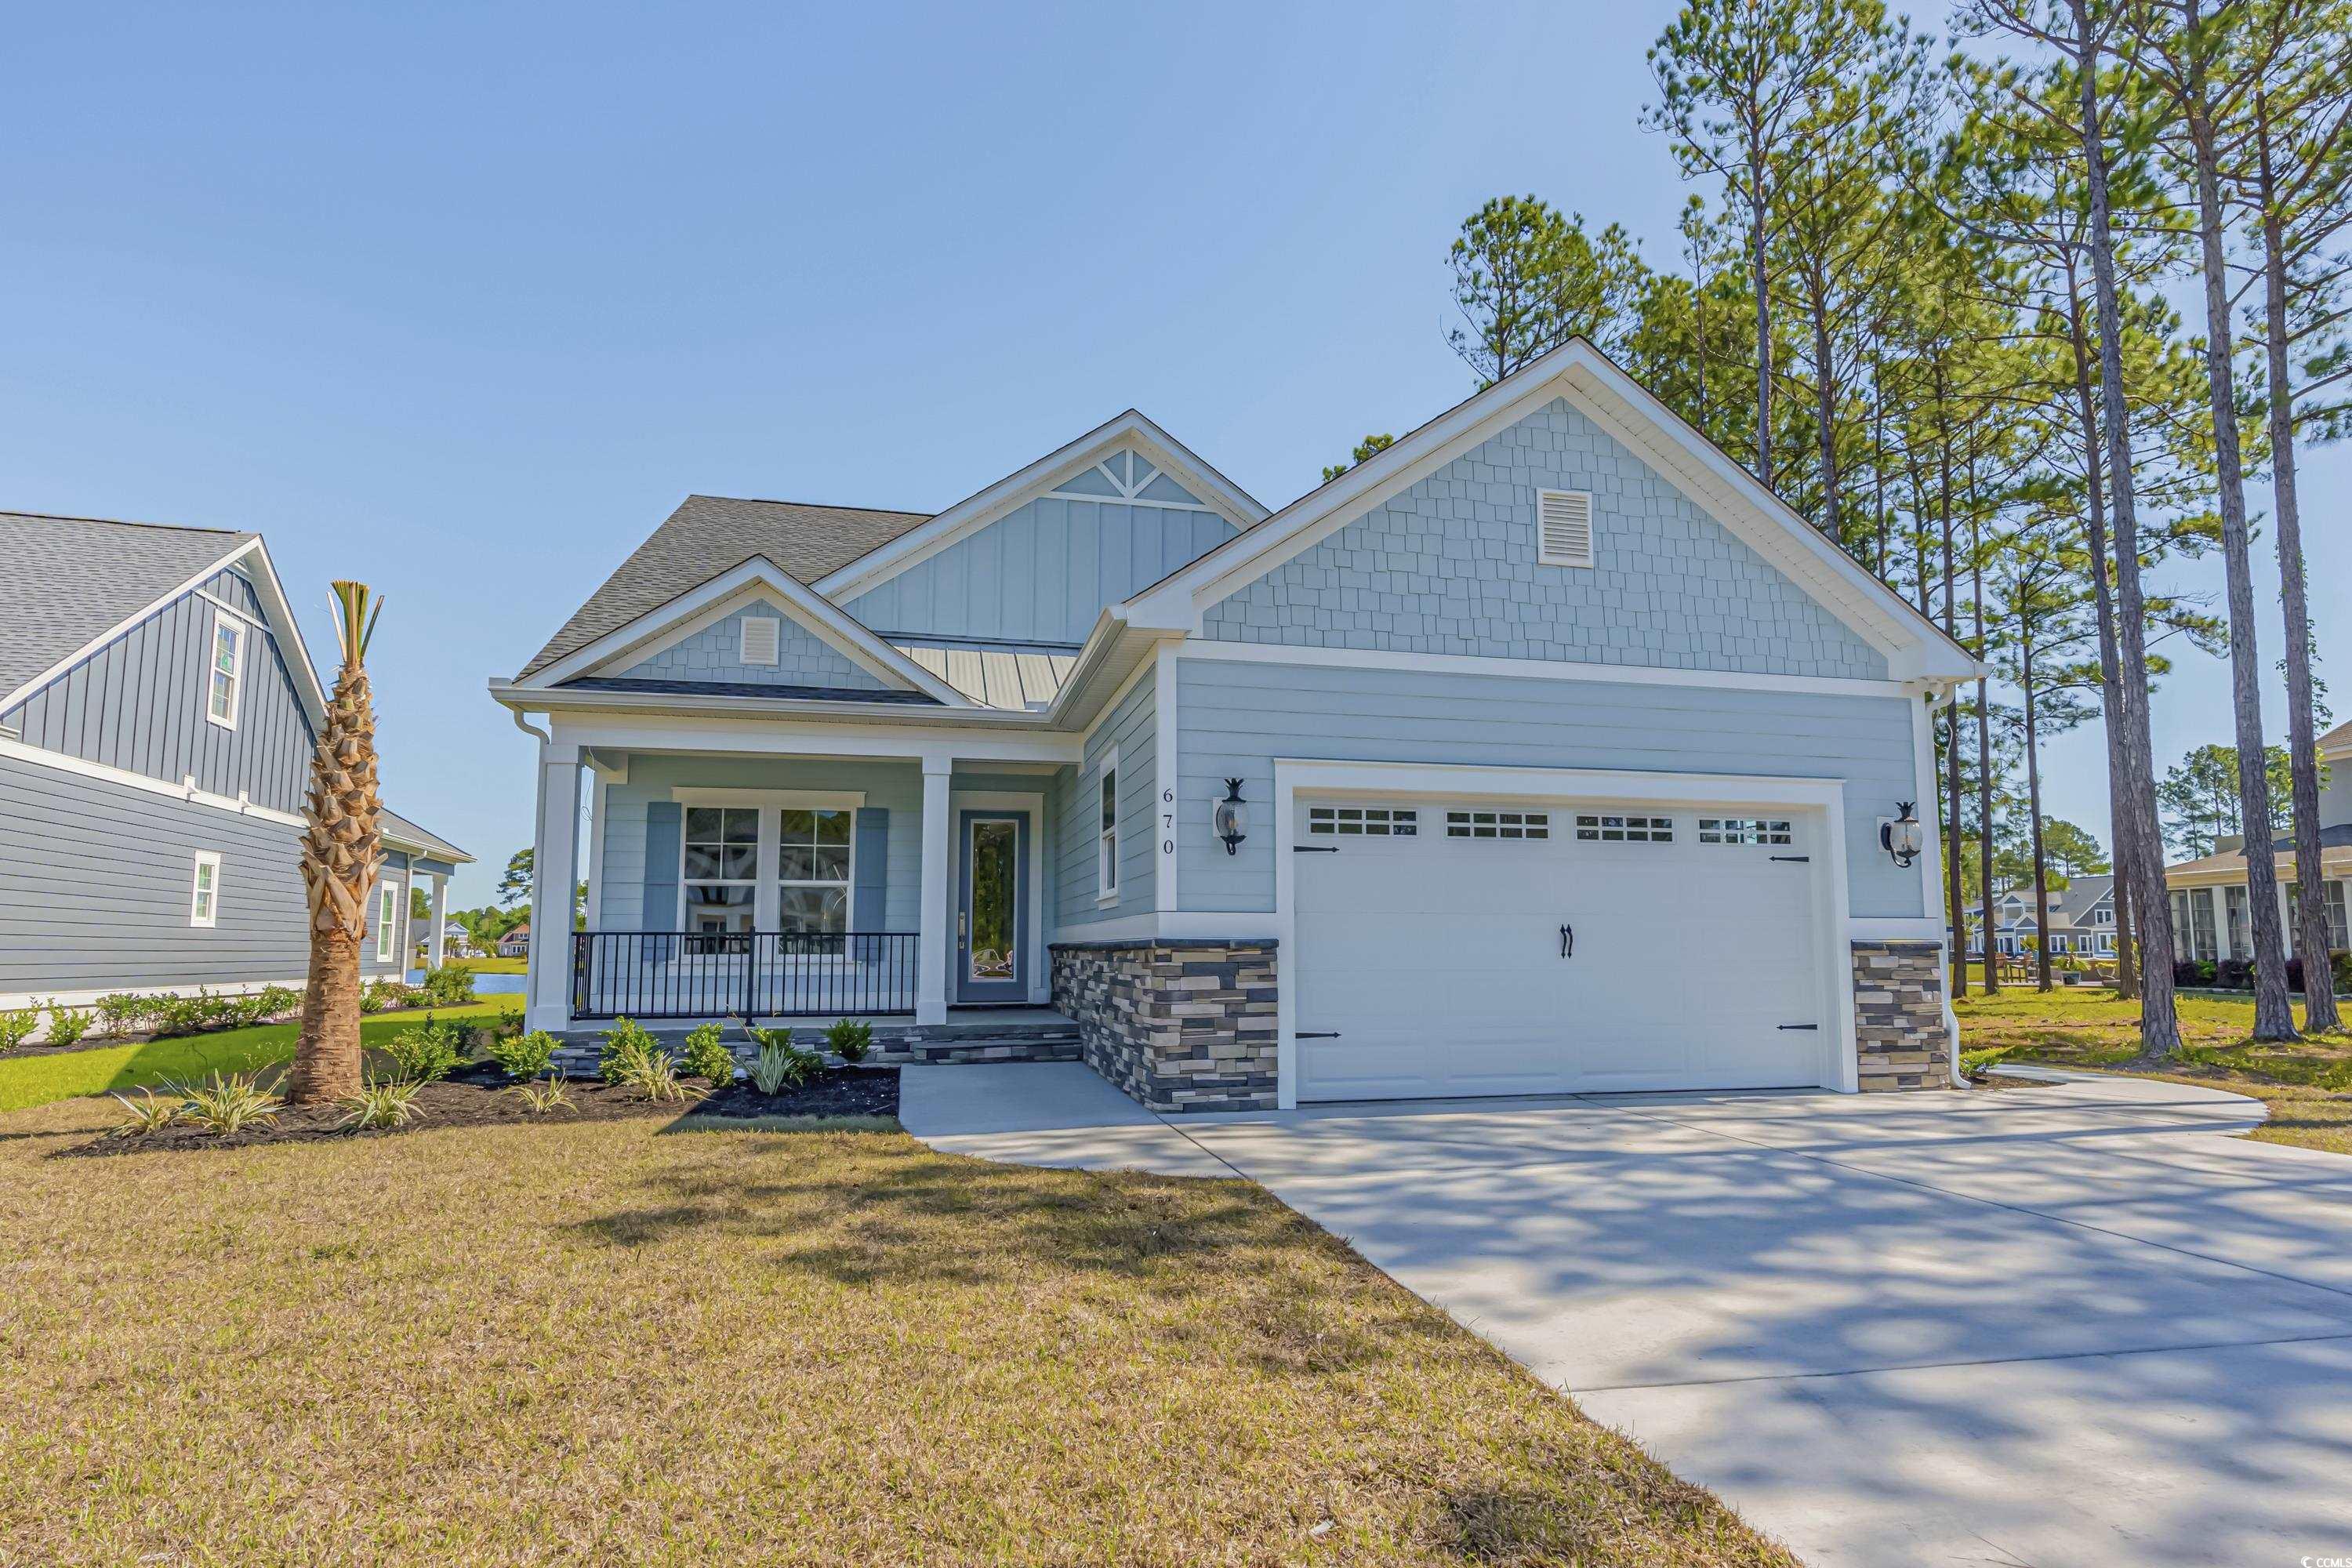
[
  {"x": 157, "y": 711},
  {"x": 1545, "y": 750}
]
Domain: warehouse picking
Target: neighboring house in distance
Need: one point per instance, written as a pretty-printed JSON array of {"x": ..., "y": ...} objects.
[
  {"x": 157, "y": 713},
  {"x": 2210, "y": 917},
  {"x": 516, "y": 943},
  {"x": 1562, "y": 749},
  {"x": 2082, "y": 921}
]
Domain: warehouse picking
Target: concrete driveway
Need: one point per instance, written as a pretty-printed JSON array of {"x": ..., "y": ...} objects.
[{"x": 2073, "y": 1324}]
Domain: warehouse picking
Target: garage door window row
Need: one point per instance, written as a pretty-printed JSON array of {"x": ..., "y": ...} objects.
[
  {"x": 1741, "y": 830},
  {"x": 1364, "y": 821},
  {"x": 1497, "y": 825},
  {"x": 1626, "y": 830}
]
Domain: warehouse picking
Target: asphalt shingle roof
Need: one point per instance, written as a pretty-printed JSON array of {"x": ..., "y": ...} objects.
[
  {"x": 394, "y": 825},
  {"x": 710, "y": 535},
  {"x": 79, "y": 576}
]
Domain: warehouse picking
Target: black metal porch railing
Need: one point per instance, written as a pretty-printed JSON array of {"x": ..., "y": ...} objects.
[{"x": 750, "y": 974}]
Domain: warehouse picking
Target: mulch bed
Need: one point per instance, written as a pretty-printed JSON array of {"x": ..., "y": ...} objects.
[{"x": 479, "y": 1095}]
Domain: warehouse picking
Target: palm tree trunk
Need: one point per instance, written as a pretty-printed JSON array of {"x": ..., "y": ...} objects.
[
  {"x": 341, "y": 855},
  {"x": 2159, "y": 1016},
  {"x": 2319, "y": 1010},
  {"x": 2274, "y": 1015}
]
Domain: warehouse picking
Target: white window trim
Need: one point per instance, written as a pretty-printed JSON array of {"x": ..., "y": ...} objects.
[
  {"x": 768, "y": 861},
  {"x": 223, "y": 619},
  {"x": 387, "y": 918},
  {"x": 200, "y": 917},
  {"x": 1106, "y": 839}
]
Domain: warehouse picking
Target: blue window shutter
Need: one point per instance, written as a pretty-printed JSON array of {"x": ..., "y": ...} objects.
[
  {"x": 869, "y": 894},
  {"x": 664, "y": 841}
]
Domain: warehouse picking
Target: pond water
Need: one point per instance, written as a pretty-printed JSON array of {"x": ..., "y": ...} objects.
[{"x": 485, "y": 985}]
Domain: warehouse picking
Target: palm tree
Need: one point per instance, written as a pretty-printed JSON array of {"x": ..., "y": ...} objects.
[{"x": 341, "y": 855}]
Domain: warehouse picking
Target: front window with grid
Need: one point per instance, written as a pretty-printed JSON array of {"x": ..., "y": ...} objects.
[
  {"x": 813, "y": 872},
  {"x": 2334, "y": 894},
  {"x": 1741, "y": 830},
  {"x": 1625, "y": 829},
  {"x": 1364, "y": 821},
  {"x": 721, "y": 867},
  {"x": 1497, "y": 825}
]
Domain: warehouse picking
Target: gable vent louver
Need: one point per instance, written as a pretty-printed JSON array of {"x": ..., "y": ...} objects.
[
  {"x": 761, "y": 639},
  {"x": 1564, "y": 528}
]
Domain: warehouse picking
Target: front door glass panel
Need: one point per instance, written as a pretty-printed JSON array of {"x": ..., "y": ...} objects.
[{"x": 993, "y": 952}]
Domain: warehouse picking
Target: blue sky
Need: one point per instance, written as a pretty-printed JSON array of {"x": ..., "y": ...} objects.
[{"x": 461, "y": 302}]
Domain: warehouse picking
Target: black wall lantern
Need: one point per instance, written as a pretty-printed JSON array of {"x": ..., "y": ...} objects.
[
  {"x": 1902, "y": 837},
  {"x": 1232, "y": 817}
]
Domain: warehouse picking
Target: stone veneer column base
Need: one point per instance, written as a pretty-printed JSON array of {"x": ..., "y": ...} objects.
[
  {"x": 1898, "y": 1016},
  {"x": 1180, "y": 1026}
]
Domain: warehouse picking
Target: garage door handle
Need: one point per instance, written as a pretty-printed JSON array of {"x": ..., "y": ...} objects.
[
  {"x": 1568, "y": 941},
  {"x": 1314, "y": 1034},
  {"x": 1800, "y": 1025},
  {"x": 1314, "y": 849},
  {"x": 1792, "y": 856}
]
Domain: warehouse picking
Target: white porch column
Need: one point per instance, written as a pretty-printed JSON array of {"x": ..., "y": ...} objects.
[
  {"x": 934, "y": 921},
  {"x": 436, "y": 943},
  {"x": 554, "y": 868}
]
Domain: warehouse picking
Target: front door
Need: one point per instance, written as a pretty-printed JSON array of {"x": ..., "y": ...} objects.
[{"x": 993, "y": 958}]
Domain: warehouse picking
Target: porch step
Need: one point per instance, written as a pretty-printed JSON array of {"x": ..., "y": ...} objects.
[{"x": 1054, "y": 1040}]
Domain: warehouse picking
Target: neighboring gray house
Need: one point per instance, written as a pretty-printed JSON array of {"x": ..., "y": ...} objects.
[
  {"x": 156, "y": 717},
  {"x": 2082, "y": 920},
  {"x": 1562, "y": 749}
]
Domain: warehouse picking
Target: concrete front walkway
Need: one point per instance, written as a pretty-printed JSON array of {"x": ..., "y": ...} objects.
[{"x": 2058, "y": 1325}]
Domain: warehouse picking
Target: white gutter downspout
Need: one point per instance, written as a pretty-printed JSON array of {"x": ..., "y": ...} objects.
[{"x": 1952, "y": 1019}]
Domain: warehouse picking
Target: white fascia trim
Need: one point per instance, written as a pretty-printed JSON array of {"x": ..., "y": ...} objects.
[
  {"x": 1537, "y": 669},
  {"x": 1895, "y": 928},
  {"x": 817, "y": 616},
  {"x": 287, "y": 627},
  {"x": 785, "y": 799},
  {"x": 775, "y": 736},
  {"x": 1824, "y": 798},
  {"x": 560, "y": 700},
  {"x": 1578, "y": 371},
  {"x": 977, "y": 512},
  {"x": 184, "y": 790}
]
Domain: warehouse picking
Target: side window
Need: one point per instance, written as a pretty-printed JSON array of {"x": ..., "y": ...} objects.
[
  {"x": 1107, "y": 832},
  {"x": 387, "y": 909},
  {"x": 225, "y": 673},
  {"x": 204, "y": 896}
]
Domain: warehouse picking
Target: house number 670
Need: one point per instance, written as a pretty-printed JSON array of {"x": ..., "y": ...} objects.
[{"x": 1168, "y": 822}]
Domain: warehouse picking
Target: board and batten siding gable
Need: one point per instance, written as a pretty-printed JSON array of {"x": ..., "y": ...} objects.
[
  {"x": 97, "y": 876},
  {"x": 1448, "y": 566},
  {"x": 1234, "y": 718},
  {"x": 1131, "y": 727},
  {"x": 1043, "y": 571},
  {"x": 138, "y": 704},
  {"x": 716, "y": 654}
]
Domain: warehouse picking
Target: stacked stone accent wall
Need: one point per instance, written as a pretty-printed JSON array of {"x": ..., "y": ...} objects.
[
  {"x": 1179, "y": 1026},
  {"x": 1898, "y": 1016}
]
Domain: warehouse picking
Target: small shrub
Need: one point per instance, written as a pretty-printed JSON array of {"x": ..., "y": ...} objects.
[
  {"x": 122, "y": 1012},
  {"x": 707, "y": 1057},
  {"x": 388, "y": 1102},
  {"x": 16, "y": 1027},
  {"x": 523, "y": 1057},
  {"x": 451, "y": 986},
  {"x": 382, "y": 994},
  {"x": 278, "y": 1001},
  {"x": 782, "y": 1065},
  {"x": 627, "y": 1045},
  {"x": 547, "y": 1094},
  {"x": 67, "y": 1025},
  {"x": 654, "y": 1076},
  {"x": 147, "y": 1114},
  {"x": 426, "y": 1052},
  {"x": 227, "y": 1105},
  {"x": 850, "y": 1039}
]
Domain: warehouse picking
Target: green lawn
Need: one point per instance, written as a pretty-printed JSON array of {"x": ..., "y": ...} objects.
[
  {"x": 2308, "y": 1086},
  {"x": 27, "y": 1081},
  {"x": 594, "y": 1342}
]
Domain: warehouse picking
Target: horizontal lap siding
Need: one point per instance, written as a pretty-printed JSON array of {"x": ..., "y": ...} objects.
[
  {"x": 138, "y": 704},
  {"x": 95, "y": 880},
  {"x": 1234, "y": 719},
  {"x": 1132, "y": 728}
]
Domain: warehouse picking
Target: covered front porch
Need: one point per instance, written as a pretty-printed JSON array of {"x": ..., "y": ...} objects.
[{"x": 784, "y": 878}]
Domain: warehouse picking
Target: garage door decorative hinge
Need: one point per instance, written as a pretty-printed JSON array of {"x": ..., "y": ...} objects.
[{"x": 1800, "y": 1025}]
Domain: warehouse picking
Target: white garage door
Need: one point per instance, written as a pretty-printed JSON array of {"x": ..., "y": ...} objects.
[{"x": 1480, "y": 948}]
